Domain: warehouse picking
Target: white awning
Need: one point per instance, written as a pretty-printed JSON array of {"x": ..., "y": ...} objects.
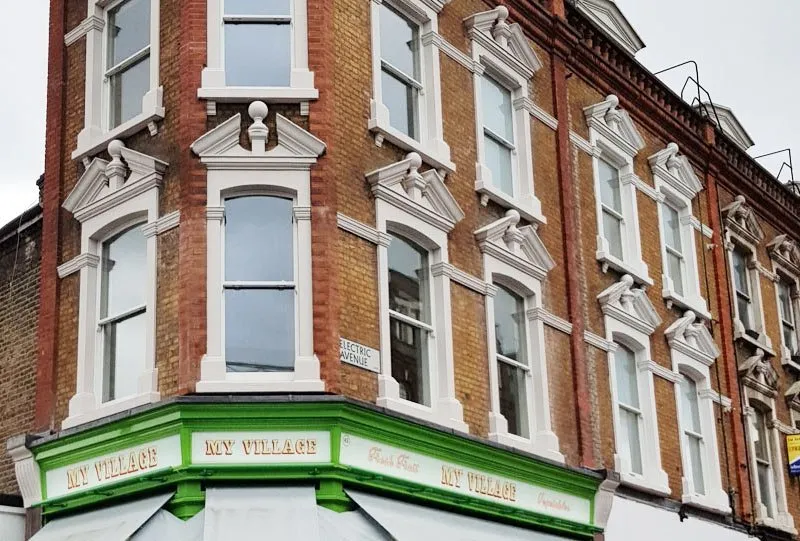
[
  {"x": 283, "y": 512},
  {"x": 348, "y": 526},
  {"x": 115, "y": 523},
  {"x": 411, "y": 522},
  {"x": 164, "y": 526}
]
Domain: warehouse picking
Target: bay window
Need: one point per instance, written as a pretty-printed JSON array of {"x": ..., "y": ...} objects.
[
  {"x": 257, "y": 42},
  {"x": 692, "y": 438},
  {"x": 512, "y": 364},
  {"x": 611, "y": 204},
  {"x": 409, "y": 313},
  {"x": 259, "y": 284},
  {"x": 629, "y": 411},
  {"x": 123, "y": 303}
]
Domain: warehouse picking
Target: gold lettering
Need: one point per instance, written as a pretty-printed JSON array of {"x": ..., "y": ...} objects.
[
  {"x": 153, "y": 457},
  {"x": 287, "y": 448},
  {"x": 213, "y": 447},
  {"x": 228, "y": 444},
  {"x": 300, "y": 447},
  {"x": 143, "y": 464},
  {"x": 247, "y": 446},
  {"x": 132, "y": 465},
  {"x": 312, "y": 447},
  {"x": 98, "y": 467}
]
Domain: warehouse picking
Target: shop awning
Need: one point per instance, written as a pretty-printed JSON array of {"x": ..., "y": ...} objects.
[
  {"x": 411, "y": 522},
  {"x": 115, "y": 523},
  {"x": 247, "y": 513},
  {"x": 164, "y": 526}
]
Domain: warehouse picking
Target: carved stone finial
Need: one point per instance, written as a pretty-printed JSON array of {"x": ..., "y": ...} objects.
[
  {"x": 501, "y": 31},
  {"x": 513, "y": 237},
  {"x": 258, "y": 131},
  {"x": 759, "y": 368},
  {"x": 627, "y": 296},
  {"x": 673, "y": 163},
  {"x": 613, "y": 116},
  {"x": 116, "y": 169},
  {"x": 414, "y": 183}
]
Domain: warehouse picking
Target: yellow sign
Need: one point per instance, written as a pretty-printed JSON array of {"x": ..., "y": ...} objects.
[{"x": 793, "y": 450}]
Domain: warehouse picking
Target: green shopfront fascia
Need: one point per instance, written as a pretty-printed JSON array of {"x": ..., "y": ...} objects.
[{"x": 316, "y": 467}]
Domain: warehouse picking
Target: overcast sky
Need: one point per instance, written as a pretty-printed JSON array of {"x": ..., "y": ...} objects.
[{"x": 748, "y": 52}]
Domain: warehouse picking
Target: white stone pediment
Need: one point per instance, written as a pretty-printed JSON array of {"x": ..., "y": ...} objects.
[
  {"x": 629, "y": 305},
  {"x": 615, "y": 124},
  {"x": 728, "y": 123},
  {"x": 758, "y": 373},
  {"x": 692, "y": 339},
  {"x": 520, "y": 247},
  {"x": 491, "y": 30},
  {"x": 675, "y": 169},
  {"x": 220, "y": 149},
  {"x": 741, "y": 220},
  {"x": 607, "y": 15},
  {"x": 106, "y": 184},
  {"x": 423, "y": 195},
  {"x": 785, "y": 252}
]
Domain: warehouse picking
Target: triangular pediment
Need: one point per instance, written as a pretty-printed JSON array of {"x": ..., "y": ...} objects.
[
  {"x": 615, "y": 125},
  {"x": 421, "y": 194},
  {"x": 675, "y": 169},
  {"x": 506, "y": 41},
  {"x": 692, "y": 338},
  {"x": 629, "y": 305},
  {"x": 519, "y": 247},
  {"x": 220, "y": 148},
  {"x": 607, "y": 15},
  {"x": 784, "y": 250},
  {"x": 105, "y": 183},
  {"x": 758, "y": 373},
  {"x": 728, "y": 123},
  {"x": 741, "y": 220},
  {"x": 793, "y": 396}
]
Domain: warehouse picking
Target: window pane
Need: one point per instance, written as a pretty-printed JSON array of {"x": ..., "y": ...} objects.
[
  {"x": 690, "y": 409},
  {"x": 740, "y": 278},
  {"x": 259, "y": 239},
  {"x": 629, "y": 436},
  {"x": 789, "y": 338},
  {"x": 259, "y": 330},
  {"x": 127, "y": 90},
  {"x": 675, "y": 269},
  {"x": 513, "y": 401},
  {"x": 696, "y": 461},
  {"x": 401, "y": 100},
  {"x": 258, "y": 7},
  {"x": 785, "y": 296},
  {"x": 409, "y": 352},
  {"x": 408, "y": 279},
  {"x": 128, "y": 30},
  {"x": 497, "y": 114},
  {"x": 761, "y": 444},
  {"x": 612, "y": 230},
  {"x": 257, "y": 54},
  {"x": 399, "y": 41},
  {"x": 498, "y": 160},
  {"x": 625, "y": 364},
  {"x": 672, "y": 228},
  {"x": 124, "y": 357},
  {"x": 124, "y": 273},
  {"x": 509, "y": 324},
  {"x": 764, "y": 474},
  {"x": 609, "y": 186},
  {"x": 744, "y": 311}
]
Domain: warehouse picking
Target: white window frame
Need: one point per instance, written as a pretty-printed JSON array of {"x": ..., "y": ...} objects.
[
  {"x": 785, "y": 256},
  {"x": 630, "y": 319},
  {"x": 418, "y": 207},
  {"x": 283, "y": 170},
  {"x": 501, "y": 52},
  {"x": 678, "y": 185},
  {"x": 431, "y": 145},
  {"x": 782, "y": 518},
  {"x": 96, "y": 135},
  {"x": 110, "y": 197},
  {"x": 517, "y": 259},
  {"x": 615, "y": 139},
  {"x": 693, "y": 352},
  {"x": 213, "y": 87}
]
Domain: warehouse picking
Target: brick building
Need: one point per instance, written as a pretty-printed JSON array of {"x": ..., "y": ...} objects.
[{"x": 453, "y": 266}]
